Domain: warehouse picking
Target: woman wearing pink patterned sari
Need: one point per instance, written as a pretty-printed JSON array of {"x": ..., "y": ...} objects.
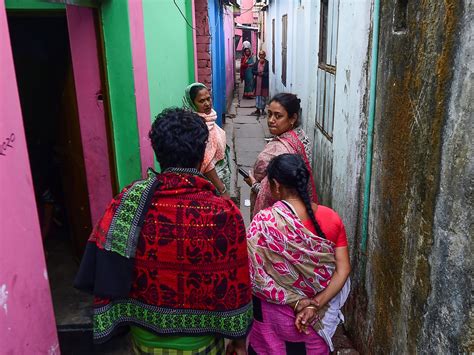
[
  {"x": 299, "y": 266},
  {"x": 283, "y": 122}
]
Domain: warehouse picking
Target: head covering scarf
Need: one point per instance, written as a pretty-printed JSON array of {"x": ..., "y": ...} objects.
[
  {"x": 216, "y": 146},
  {"x": 188, "y": 103}
]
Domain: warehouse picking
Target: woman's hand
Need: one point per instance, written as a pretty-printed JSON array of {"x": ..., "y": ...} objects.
[
  {"x": 303, "y": 303},
  {"x": 236, "y": 347},
  {"x": 251, "y": 179},
  {"x": 306, "y": 318}
]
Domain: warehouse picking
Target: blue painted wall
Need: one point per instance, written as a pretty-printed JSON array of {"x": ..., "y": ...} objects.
[{"x": 216, "y": 27}]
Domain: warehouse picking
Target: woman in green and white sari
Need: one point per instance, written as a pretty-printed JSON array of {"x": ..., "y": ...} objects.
[{"x": 216, "y": 164}]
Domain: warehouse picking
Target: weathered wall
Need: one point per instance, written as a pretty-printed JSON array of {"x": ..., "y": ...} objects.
[
  {"x": 27, "y": 324},
  {"x": 337, "y": 164},
  {"x": 448, "y": 319},
  {"x": 412, "y": 292},
  {"x": 417, "y": 286},
  {"x": 203, "y": 41}
]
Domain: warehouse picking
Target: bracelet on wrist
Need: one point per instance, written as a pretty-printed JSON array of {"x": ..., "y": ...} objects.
[
  {"x": 296, "y": 305},
  {"x": 223, "y": 191}
]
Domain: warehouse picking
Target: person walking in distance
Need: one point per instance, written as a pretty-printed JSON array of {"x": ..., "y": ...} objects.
[{"x": 260, "y": 72}]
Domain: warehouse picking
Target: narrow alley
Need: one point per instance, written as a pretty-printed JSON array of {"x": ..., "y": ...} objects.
[{"x": 373, "y": 100}]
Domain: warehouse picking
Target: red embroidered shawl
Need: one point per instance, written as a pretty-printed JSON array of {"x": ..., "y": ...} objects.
[{"x": 190, "y": 267}]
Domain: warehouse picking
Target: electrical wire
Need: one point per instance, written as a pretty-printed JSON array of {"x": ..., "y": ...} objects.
[{"x": 184, "y": 17}]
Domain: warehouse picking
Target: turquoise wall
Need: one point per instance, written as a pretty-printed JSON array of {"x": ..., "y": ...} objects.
[{"x": 169, "y": 52}]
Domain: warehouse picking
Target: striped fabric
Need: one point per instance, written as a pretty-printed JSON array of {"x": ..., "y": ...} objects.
[{"x": 216, "y": 347}]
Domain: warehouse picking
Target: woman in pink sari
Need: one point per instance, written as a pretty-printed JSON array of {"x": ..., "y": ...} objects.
[
  {"x": 299, "y": 266},
  {"x": 283, "y": 122}
]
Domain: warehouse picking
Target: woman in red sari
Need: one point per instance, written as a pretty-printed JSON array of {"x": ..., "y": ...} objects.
[{"x": 283, "y": 122}]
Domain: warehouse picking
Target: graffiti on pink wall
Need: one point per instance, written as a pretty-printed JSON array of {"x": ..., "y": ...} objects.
[{"x": 27, "y": 324}]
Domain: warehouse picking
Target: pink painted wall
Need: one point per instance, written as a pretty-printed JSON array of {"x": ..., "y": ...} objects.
[
  {"x": 246, "y": 17},
  {"x": 229, "y": 54},
  {"x": 27, "y": 324},
  {"x": 85, "y": 62},
  {"x": 137, "y": 34}
]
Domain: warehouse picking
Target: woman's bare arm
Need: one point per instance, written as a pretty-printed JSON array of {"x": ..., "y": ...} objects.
[
  {"x": 338, "y": 279},
  {"x": 214, "y": 178}
]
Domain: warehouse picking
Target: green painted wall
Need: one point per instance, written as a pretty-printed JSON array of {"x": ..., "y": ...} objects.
[
  {"x": 32, "y": 5},
  {"x": 169, "y": 52},
  {"x": 118, "y": 57}
]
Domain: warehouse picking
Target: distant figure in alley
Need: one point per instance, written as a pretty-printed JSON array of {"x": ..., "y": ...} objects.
[
  {"x": 169, "y": 256},
  {"x": 260, "y": 73},
  {"x": 247, "y": 63}
]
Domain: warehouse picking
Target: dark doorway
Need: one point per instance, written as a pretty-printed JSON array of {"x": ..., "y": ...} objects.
[{"x": 44, "y": 74}]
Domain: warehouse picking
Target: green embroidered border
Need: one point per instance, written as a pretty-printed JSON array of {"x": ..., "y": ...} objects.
[
  {"x": 125, "y": 219},
  {"x": 170, "y": 321}
]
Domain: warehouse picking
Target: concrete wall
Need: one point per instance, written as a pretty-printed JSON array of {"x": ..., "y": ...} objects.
[
  {"x": 412, "y": 291},
  {"x": 417, "y": 285},
  {"x": 337, "y": 165},
  {"x": 27, "y": 324}
]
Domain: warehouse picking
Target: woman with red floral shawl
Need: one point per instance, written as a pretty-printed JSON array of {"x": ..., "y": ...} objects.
[
  {"x": 283, "y": 121},
  {"x": 169, "y": 256},
  {"x": 299, "y": 266}
]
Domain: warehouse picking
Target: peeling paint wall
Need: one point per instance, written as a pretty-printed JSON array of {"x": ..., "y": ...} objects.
[
  {"x": 412, "y": 292},
  {"x": 337, "y": 164}
]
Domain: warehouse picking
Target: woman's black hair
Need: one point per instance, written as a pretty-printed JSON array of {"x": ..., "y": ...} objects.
[
  {"x": 178, "y": 138},
  {"x": 194, "y": 91},
  {"x": 291, "y": 103},
  {"x": 290, "y": 171}
]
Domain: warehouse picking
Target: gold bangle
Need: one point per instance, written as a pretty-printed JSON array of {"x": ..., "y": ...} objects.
[
  {"x": 296, "y": 305},
  {"x": 311, "y": 307}
]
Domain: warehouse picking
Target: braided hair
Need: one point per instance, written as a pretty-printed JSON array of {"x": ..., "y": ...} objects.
[{"x": 290, "y": 171}]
